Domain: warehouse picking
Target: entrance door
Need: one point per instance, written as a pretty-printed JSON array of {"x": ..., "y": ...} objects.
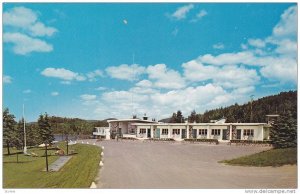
[
  {"x": 157, "y": 135},
  {"x": 224, "y": 136},
  {"x": 194, "y": 133},
  {"x": 238, "y": 134},
  {"x": 183, "y": 133},
  {"x": 149, "y": 133}
]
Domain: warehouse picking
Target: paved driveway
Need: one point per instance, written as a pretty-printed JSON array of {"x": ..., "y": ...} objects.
[{"x": 139, "y": 164}]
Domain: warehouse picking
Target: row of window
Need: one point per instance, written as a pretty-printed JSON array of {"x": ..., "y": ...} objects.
[
  {"x": 217, "y": 132},
  {"x": 174, "y": 131}
]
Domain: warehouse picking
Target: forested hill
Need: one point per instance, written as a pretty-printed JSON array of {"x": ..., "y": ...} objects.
[{"x": 275, "y": 104}]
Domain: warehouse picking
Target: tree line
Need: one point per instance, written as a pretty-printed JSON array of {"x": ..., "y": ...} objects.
[
  {"x": 43, "y": 130},
  {"x": 254, "y": 111}
]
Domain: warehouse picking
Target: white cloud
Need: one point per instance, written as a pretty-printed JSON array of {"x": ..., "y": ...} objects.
[
  {"x": 225, "y": 76},
  {"x": 26, "y": 91},
  {"x": 165, "y": 78},
  {"x": 19, "y": 17},
  {"x": 62, "y": 73},
  {"x": 125, "y": 72},
  {"x": 21, "y": 27},
  {"x": 101, "y": 88},
  {"x": 88, "y": 97},
  {"x": 257, "y": 43},
  {"x": 181, "y": 12},
  {"x": 24, "y": 44},
  {"x": 144, "y": 83},
  {"x": 244, "y": 57},
  {"x": 218, "y": 46},
  {"x": 92, "y": 76},
  {"x": 7, "y": 79},
  {"x": 26, "y": 20},
  {"x": 199, "y": 15},
  {"x": 54, "y": 93},
  {"x": 39, "y": 29},
  {"x": 287, "y": 26}
]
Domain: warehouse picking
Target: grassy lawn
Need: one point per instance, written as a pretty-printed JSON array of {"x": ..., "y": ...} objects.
[
  {"x": 274, "y": 157},
  {"x": 78, "y": 172}
]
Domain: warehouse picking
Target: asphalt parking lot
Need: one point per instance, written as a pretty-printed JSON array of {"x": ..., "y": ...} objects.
[{"x": 151, "y": 165}]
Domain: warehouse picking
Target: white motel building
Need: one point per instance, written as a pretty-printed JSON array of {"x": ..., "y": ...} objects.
[{"x": 145, "y": 129}]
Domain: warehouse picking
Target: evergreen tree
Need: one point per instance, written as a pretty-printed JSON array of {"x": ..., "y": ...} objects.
[
  {"x": 45, "y": 129},
  {"x": 193, "y": 117},
  {"x": 173, "y": 118},
  {"x": 283, "y": 133},
  {"x": 179, "y": 117},
  {"x": 9, "y": 131}
]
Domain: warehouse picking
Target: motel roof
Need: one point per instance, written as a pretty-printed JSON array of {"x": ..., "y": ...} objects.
[
  {"x": 200, "y": 124},
  {"x": 131, "y": 120}
]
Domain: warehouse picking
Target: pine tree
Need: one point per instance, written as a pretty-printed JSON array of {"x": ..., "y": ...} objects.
[
  {"x": 9, "y": 130},
  {"x": 193, "y": 117},
  {"x": 283, "y": 133},
  {"x": 45, "y": 129},
  {"x": 45, "y": 132}
]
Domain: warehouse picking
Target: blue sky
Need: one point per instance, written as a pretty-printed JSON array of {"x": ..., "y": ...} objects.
[{"x": 96, "y": 61}]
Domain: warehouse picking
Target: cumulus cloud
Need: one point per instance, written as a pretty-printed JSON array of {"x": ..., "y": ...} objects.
[
  {"x": 21, "y": 27},
  {"x": 7, "y": 79},
  {"x": 144, "y": 83},
  {"x": 24, "y": 44},
  {"x": 62, "y": 73},
  {"x": 125, "y": 72},
  {"x": 287, "y": 26},
  {"x": 27, "y": 20},
  {"x": 163, "y": 77},
  {"x": 92, "y": 76},
  {"x": 181, "y": 12},
  {"x": 225, "y": 76},
  {"x": 257, "y": 43},
  {"x": 88, "y": 97},
  {"x": 101, "y": 88}
]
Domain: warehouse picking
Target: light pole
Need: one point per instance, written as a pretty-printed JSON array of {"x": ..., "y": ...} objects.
[{"x": 25, "y": 148}]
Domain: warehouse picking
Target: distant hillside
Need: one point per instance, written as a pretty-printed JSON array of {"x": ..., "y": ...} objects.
[{"x": 275, "y": 104}]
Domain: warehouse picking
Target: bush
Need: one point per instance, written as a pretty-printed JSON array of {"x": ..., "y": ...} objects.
[{"x": 203, "y": 140}]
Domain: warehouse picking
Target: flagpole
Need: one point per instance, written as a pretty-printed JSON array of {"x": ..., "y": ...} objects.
[{"x": 25, "y": 148}]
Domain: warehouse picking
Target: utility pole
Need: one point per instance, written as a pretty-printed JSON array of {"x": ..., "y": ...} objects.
[
  {"x": 251, "y": 114},
  {"x": 25, "y": 148}
]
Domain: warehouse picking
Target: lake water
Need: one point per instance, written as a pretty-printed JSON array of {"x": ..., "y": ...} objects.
[{"x": 59, "y": 137}]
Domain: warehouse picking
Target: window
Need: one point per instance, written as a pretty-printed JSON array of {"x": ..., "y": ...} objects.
[
  {"x": 165, "y": 132},
  {"x": 142, "y": 130},
  {"x": 176, "y": 131},
  {"x": 249, "y": 132},
  {"x": 216, "y": 131},
  {"x": 202, "y": 131}
]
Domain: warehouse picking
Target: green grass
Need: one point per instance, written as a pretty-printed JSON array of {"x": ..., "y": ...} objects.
[
  {"x": 78, "y": 172},
  {"x": 273, "y": 157}
]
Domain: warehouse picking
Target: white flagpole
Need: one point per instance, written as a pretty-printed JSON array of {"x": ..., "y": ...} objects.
[{"x": 25, "y": 148}]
